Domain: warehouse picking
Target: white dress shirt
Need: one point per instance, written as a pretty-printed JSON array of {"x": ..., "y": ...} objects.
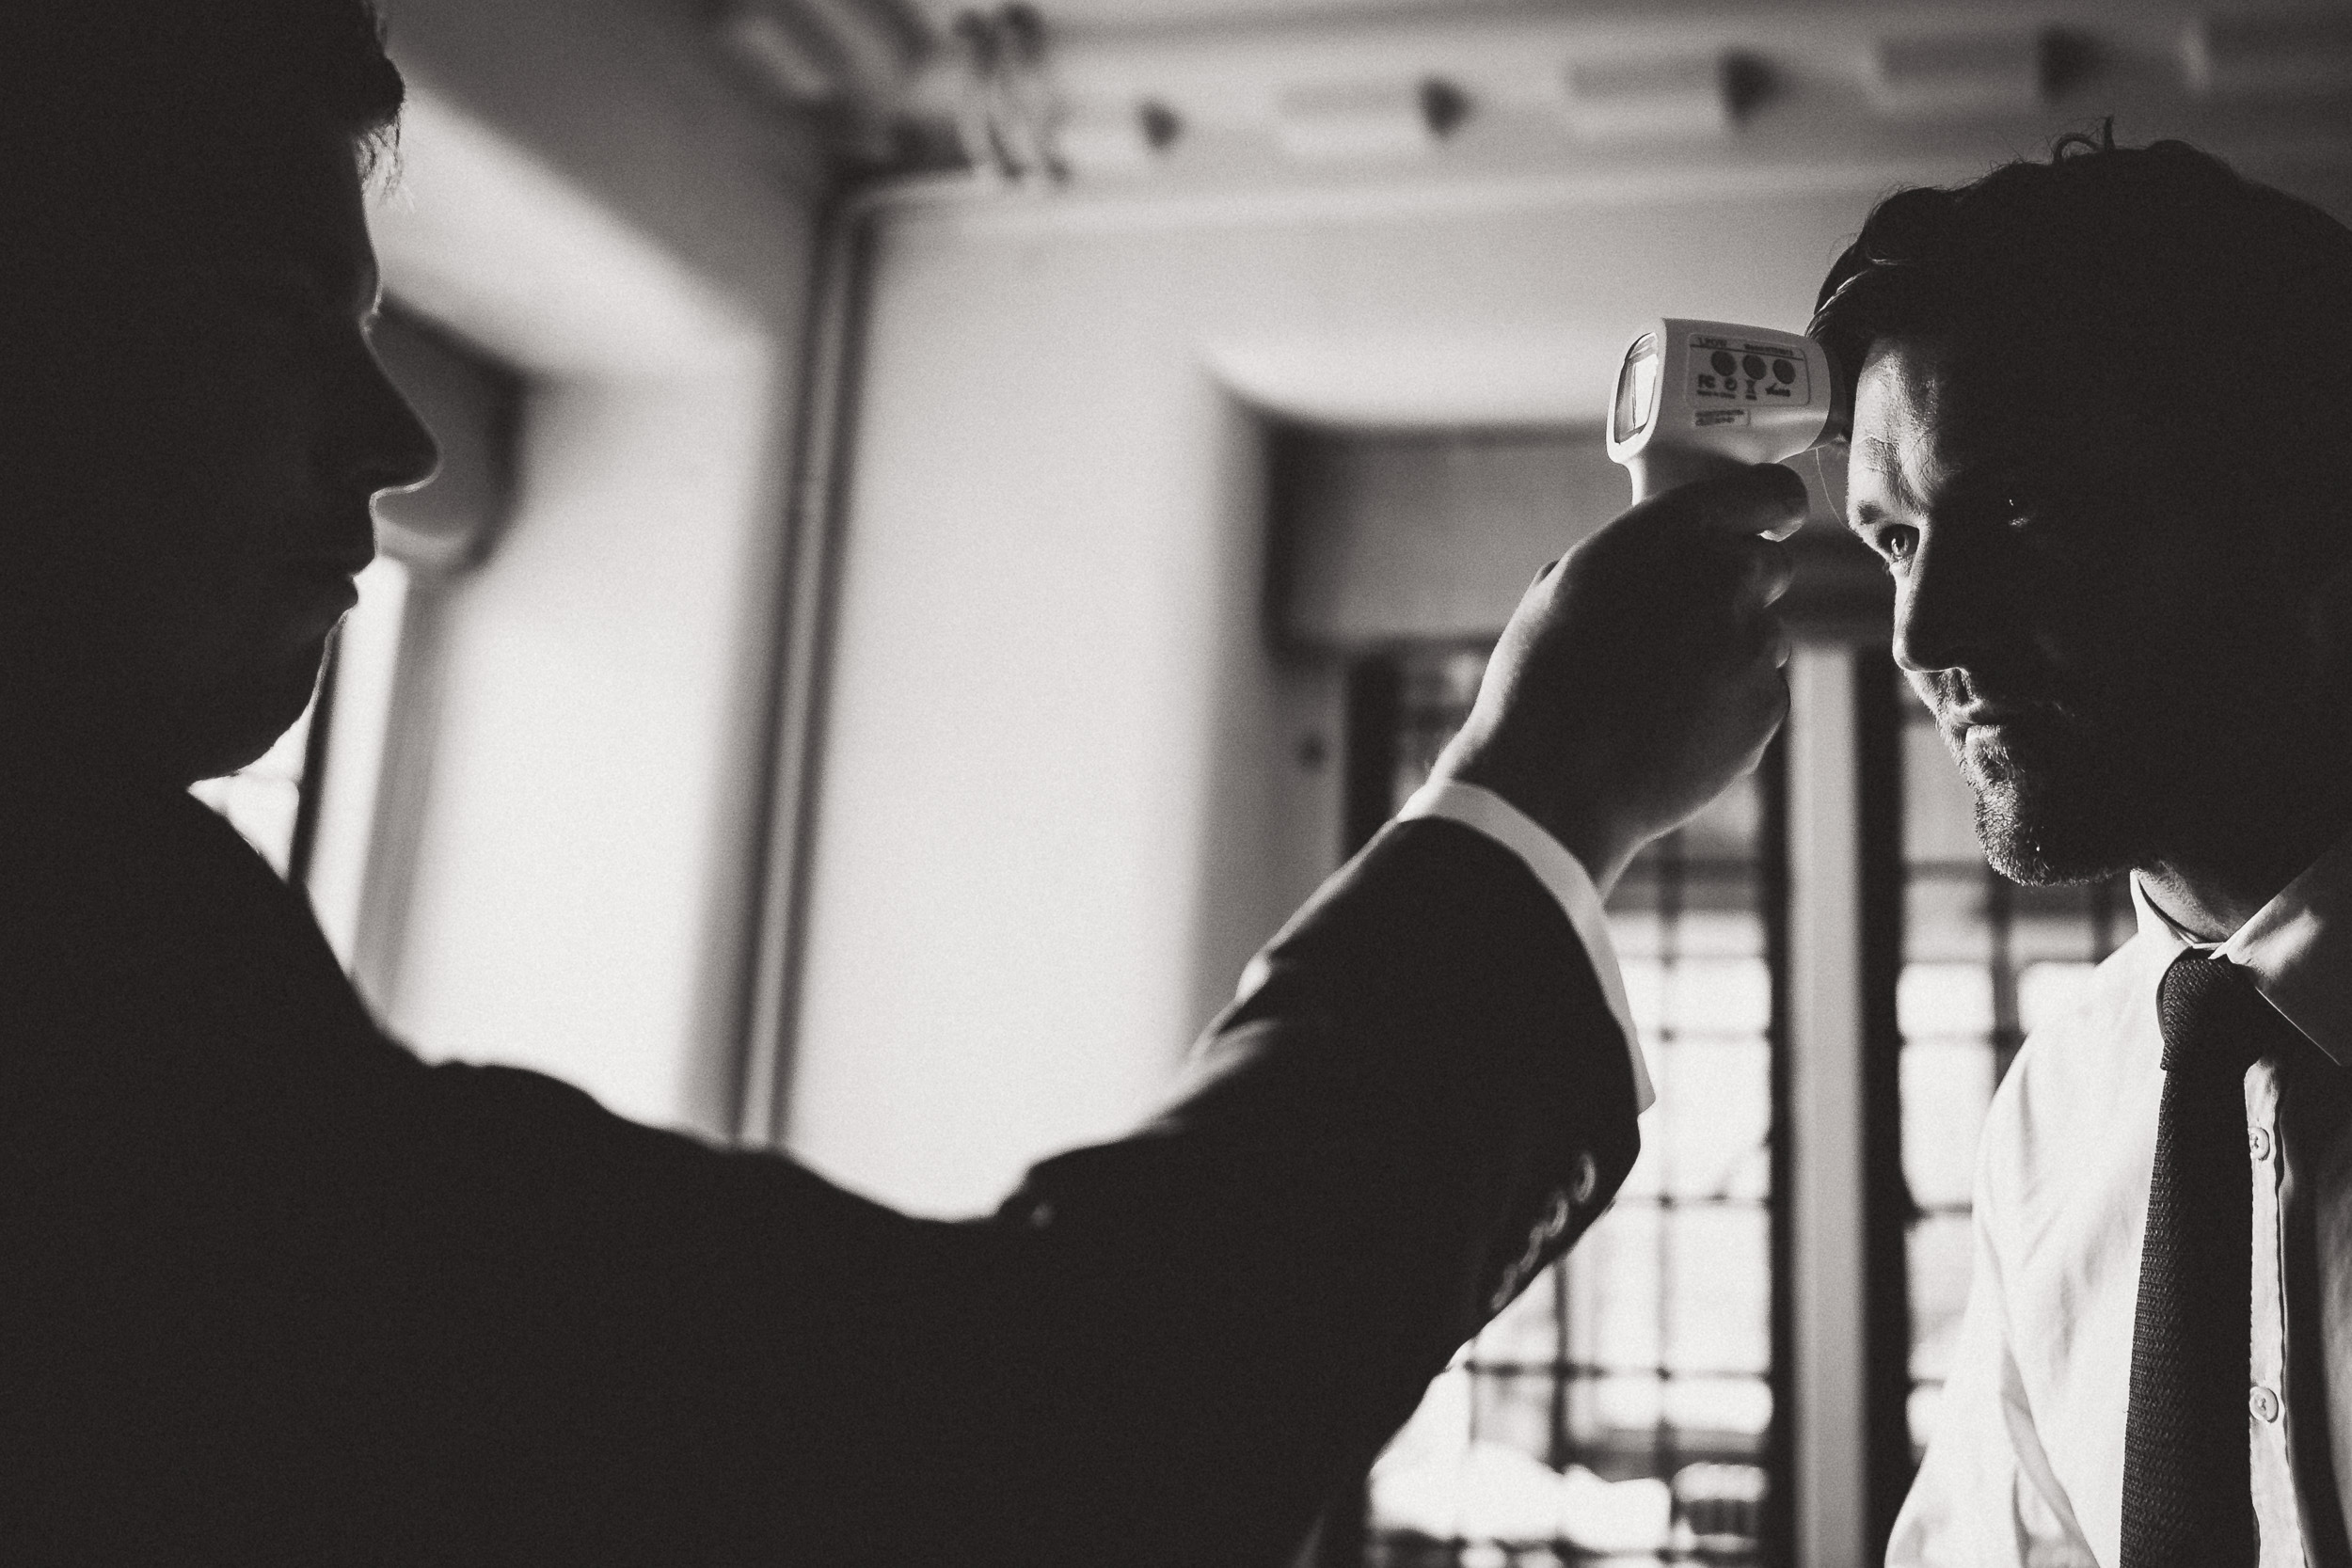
[
  {"x": 2026, "y": 1466},
  {"x": 1562, "y": 873}
]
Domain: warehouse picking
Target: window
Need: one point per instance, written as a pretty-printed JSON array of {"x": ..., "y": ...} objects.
[{"x": 1628, "y": 1402}]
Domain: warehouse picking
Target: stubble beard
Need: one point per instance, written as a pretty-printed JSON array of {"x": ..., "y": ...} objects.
[
  {"x": 2135, "y": 777},
  {"x": 2060, "y": 817}
]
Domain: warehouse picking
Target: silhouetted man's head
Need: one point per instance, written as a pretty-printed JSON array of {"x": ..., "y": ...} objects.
[
  {"x": 191, "y": 419},
  {"x": 2103, "y": 439}
]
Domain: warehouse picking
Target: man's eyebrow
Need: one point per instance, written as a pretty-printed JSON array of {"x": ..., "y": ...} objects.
[{"x": 1882, "y": 457}]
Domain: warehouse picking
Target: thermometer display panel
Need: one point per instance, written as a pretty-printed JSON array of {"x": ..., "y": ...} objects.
[{"x": 1637, "y": 387}]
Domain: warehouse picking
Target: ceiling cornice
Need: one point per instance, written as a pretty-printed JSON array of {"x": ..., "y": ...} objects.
[{"x": 1497, "y": 89}]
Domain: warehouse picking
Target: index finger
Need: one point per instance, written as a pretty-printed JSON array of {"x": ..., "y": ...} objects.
[{"x": 1765, "y": 499}]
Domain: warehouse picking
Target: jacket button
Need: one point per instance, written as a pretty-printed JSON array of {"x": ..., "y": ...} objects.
[{"x": 1587, "y": 1179}]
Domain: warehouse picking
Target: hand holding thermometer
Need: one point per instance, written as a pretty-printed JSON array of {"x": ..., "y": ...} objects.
[{"x": 1698, "y": 398}]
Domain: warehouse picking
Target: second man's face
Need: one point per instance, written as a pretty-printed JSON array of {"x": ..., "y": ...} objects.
[{"x": 2102, "y": 655}]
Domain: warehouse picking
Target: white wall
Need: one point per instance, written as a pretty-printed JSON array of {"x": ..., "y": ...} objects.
[
  {"x": 1060, "y": 787},
  {"x": 583, "y": 193},
  {"x": 587, "y": 747}
]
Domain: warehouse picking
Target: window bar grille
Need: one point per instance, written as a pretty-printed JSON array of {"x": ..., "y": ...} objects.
[
  {"x": 1888, "y": 1210},
  {"x": 1667, "y": 860},
  {"x": 1778, "y": 1533},
  {"x": 1541, "y": 1382}
]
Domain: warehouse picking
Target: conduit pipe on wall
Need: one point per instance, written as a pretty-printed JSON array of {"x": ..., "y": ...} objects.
[{"x": 806, "y": 594}]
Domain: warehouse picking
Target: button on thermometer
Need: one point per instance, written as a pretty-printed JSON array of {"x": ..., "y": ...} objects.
[{"x": 1700, "y": 398}]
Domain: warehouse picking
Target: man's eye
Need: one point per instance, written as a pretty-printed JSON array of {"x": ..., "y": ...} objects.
[
  {"x": 2018, "y": 509},
  {"x": 1898, "y": 544}
]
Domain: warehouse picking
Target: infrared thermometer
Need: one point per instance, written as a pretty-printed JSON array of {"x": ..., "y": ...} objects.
[{"x": 1698, "y": 398}]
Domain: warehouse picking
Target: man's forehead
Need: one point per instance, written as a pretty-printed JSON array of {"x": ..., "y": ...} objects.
[
  {"x": 1879, "y": 456},
  {"x": 1895, "y": 423},
  {"x": 1884, "y": 475},
  {"x": 1924, "y": 406},
  {"x": 278, "y": 201}
]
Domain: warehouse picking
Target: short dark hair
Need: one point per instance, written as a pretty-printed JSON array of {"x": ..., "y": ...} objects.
[
  {"x": 95, "y": 92},
  {"x": 117, "y": 114},
  {"x": 2224, "y": 306},
  {"x": 105, "y": 58}
]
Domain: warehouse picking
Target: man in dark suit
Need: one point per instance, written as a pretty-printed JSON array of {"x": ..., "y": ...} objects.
[{"x": 271, "y": 1290}]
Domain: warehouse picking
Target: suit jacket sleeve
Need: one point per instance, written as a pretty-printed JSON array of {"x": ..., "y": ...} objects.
[
  {"x": 303, "y": 1298},
  {"x": 288, "y": 1294},
  {"x": 1174, "y": 1348},
  {"x": 1419, "y": 1100}
]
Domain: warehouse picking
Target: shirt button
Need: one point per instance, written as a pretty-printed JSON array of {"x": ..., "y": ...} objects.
[
  {"x": 2257, "y": 1142},
  {"x": 2264, "y": 1403}
]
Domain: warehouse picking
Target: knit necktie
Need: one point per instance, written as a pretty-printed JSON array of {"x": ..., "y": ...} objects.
[{"x": 2187, "y": 1486}]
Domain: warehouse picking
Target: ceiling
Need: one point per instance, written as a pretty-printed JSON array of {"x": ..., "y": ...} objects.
[
  {"x": 1282, "y": 91},
  {"x": 1131, "y": 15},
  {"x": 1098, "y": 17}
]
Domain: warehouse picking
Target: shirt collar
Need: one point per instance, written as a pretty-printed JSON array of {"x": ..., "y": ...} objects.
[{"x": 2297, "y": 949}]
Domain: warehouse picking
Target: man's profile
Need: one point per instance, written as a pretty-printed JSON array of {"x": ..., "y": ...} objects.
[
  {"x": 2099, "y": 441},
  {"x": 277, "y": 1291}
]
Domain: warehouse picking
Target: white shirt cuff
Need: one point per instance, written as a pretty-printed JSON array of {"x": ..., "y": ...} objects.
[{"x": 1563, "y": 875}]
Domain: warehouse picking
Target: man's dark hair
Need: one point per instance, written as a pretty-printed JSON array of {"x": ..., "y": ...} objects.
[
  {"x": 131, "y": 130},
  {"x": 98, "y": 99},
  {"x": 92, "y": 63},
  {"x": 2218, "y": 309}
]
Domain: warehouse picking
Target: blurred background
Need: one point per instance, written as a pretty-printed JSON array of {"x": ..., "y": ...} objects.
[{"x": 956, "y": 520}]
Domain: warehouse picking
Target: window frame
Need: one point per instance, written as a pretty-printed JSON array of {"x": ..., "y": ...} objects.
[{"x": 1386, "y": 733}]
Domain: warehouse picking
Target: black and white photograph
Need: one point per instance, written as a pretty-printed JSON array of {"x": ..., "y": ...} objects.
[{"x": 1175, "y": 783}]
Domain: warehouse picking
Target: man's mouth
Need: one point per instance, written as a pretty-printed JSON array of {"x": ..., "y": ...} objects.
[
  {"x": 1992, "y": 715},
  {"x": 317, "y": 594},
  {"x": 2014, "y": 744},
  {"x": 1963, "y": 703},
  {"x": 1962, "y": 719}
]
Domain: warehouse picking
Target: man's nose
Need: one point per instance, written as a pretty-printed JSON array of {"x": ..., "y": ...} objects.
[
  {"x": 1947, "y": 604},
  {"x": 391, "y": 448}
]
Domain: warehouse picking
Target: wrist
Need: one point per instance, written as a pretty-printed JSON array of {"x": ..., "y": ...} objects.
[{"x": 1602, "y": 844}]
